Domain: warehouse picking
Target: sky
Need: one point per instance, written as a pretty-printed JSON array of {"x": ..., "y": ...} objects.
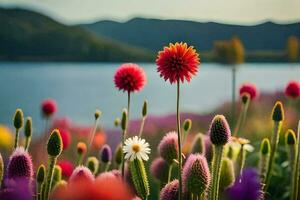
[{"x": 225, "y": 11}]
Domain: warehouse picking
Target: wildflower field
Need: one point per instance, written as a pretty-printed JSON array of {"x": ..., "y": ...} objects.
[{"x": 247, "y": 149}]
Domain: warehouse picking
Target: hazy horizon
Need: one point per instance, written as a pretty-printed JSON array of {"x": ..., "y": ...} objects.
[{"x": 89, "y": 11}]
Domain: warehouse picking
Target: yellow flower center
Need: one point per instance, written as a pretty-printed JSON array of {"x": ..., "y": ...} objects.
[{"x": 136, "y": 148}]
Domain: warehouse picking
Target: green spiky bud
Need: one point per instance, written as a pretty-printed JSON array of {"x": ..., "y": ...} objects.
[
  {"x": 290, "y": 137},
  {"x": 41, "y": 174},
  {"x": 265, "y": 147},
  {"x": 40, "y": 180},
  {"x": 1, "y": 169},
  {"x": 54, "y": 145},
  {"x": 265, "y": 150},
  {"x": 57, "y": 174},
  {"x": 227, "y": 174},
  {"x": 118, "y": 154},
  {"x": 187, "y": 125},
  {"x": 93, "y": 164},
  {"x": 278, "y": 112},
  {"x": 245, "y": 97},
  {"x": 124, "y": 120},
  {"x": 139, "y": 178},
  {"x": 198, "y": 145},
  {"x": 97, "y": 114},
  {"x": 28, "y": 127},
  {"x": 61, "y": 186},
  {"x": 18, "y": 119},
  {"x": 117, "y": 122},
  {"x": 145, "y": 108}
]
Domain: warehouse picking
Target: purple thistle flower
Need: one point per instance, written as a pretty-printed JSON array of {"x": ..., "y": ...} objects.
[
  {"x": 246, "y": 187},
  {"x": 20, "y": 165},
  {"x": 159, "y": 169},
  {"x": 81, "y": 173},
  {"x": 105, "y": 154},
  {"x": 168, "y": 147},
  {"x": 219, "y": 130},
  {"x": 196, "y": 175},
  {"x": 170, "y": 191}
]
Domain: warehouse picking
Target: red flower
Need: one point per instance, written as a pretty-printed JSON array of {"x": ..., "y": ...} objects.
[
  {"x": 130, "y": 77},
  {"x": 66, "y": 137},
  {"x": 292, "y": 89},
  {"x": 177, "y": 62},
  {"x": 49, "y": 107},
  {"x": 250, "y": 89},
  {"x": 110, "y": 188},
  {"x": 66, "y": 167}
]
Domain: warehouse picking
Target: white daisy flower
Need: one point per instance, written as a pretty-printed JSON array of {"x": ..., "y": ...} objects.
[{"x": 136, "y": 148}]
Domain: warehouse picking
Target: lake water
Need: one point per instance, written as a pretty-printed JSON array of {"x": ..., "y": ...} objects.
[{"x": 80, "y": 88}]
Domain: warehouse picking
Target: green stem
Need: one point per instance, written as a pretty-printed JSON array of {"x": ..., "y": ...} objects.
[
  {"x": 179, "y": 141},
  {"x": 142, "y": 127},
  {"x": 241, "y": 119},
  {"x": 80, "y": 158},
  {"x": 107, "y": 165},
  {"x": 51, "y": 165},
  {"x": 27, "y": 143},
  {"x": 233, "y": 95},
  {"x": 274, "y": 144},
  {"x": 241, "y": 161},
  {"x": 123, "y": 155},
  {"x": 216, "y": 170},
  {"x": 16, "y": 139},
  {"x": 296, "y": 173},
  {"x": 124, "y": 135},
  {"x": 92, "y": 135},
  {"x": 170, "y": 173},
  {"x": 38, "y": 191}
]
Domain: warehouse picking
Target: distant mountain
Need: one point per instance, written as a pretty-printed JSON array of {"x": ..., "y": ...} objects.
[
  {"x": 153, "y": 33},
  {"x": 27, "y": 35}
]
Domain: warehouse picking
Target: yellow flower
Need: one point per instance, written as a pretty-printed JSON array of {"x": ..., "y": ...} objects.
[{"x": 6, "y": 137}]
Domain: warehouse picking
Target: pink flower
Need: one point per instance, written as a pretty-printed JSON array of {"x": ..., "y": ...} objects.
[
  {"x": 292, "y": 89},
  {"x": 177, "y": 62},
  {"x": 250, "y": 89},
  {"x": 66, "y": 167},
  {"x": 130, "y": 77},
  {"x": 49, "y": 107}
]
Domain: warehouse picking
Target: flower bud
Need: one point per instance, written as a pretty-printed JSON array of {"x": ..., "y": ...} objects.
[
  {"x": 198, "y": 145},
  {"x": 290, "y": 137},
  {"x": 81, "y": 173},
  {"x": 105, "y": 154},
  {"x": 97, "y": 114},
  {"x": 118, "y": 154},
  {"x": 227, "y": 174},
  {"x": 117, "y": 122},
  {"x": 41, "y": 174},
  {"x": 124, "y": 119},
  {"x": 28, "y": 127},
  {"x": 187, "y": 125},
  {"x": 54, "y": 145},
  {"x": 160, "y": 169},
  {"x": 18, "y": 119},
  {"x": 170, "y": 191},
  {"x": 145, "y": 108},
  {"x": 93, "y": 164},
  {"x": 196, "y": 175},
  {"x": 168, "y": 147},
  {"x": 219, "y": 131},
  {"x": 81, "y": 148},
  {"x": 245, "y": 97},
  {"x": 20, "y": 164},
  {"x": 278, "y": 112}
]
